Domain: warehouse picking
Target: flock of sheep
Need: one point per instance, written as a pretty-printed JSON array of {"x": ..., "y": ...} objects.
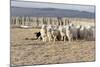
[{"x": 68, "y": 32}]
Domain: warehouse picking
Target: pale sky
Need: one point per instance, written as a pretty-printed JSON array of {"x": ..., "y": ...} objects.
[{"x": 32, "y": 4}]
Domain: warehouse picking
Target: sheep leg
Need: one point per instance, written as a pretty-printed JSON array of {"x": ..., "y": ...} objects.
[
  {"x": 69, "y": 40},
  {"x": 43, "y": 39},
  {"x": 64, "y": 38},
  {"x": 49, "y": 39},
  {"x": 76, "y": 38},
  {"x": 54, "y": 38}
]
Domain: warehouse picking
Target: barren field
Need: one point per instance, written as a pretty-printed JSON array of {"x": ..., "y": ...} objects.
[{"x": 32, "y": 52}]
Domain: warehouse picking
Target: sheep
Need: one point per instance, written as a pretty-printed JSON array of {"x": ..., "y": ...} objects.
[
  {"x": 55, "y": 33},
  {"x": 69, "y": 33},
  {"x": 78, "y": 31},
  {"x": 93, "y": 31},
  {"x": 43, "y": 32},
  {"x": 49, "y": 32},
  {"x": 89, "y": 34},
  {"x": 71, "y": 24},
  {"x": 74, "y": 32},
  {"x": 62, "y": 30},
  {"x": 82, "y": 31}
]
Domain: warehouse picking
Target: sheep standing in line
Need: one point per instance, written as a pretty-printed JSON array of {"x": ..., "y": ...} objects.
[
  {"x": 56, "y": 33},
  {"x": 49, "y": 32},
  {"x": 69, "y": 33},
  {"x": 74, "y": 32},
  {"x": 44, "y": 33},
  {"x": 89, "y": 34},
  {"x": 78, "y": 31},
  {"x": 62, "y": 30},
  {"x": 82, "y": 32}
]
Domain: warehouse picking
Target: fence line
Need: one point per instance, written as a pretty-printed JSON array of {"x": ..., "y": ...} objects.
[{"x": 38, "y": 21}]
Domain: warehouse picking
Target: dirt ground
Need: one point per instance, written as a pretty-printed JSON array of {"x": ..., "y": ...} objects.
[{"x": 32, "y": 52}]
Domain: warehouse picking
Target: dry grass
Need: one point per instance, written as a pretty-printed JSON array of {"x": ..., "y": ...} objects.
[{"x": 29, "y": 52}]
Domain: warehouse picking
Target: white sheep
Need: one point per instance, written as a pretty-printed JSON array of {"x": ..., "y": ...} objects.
[
  {"x": 82, "y": 31},
  {"x": 44, "y": 33},
  {"x": 69, "y": 33},
  {"x": 87, "y": 33},
  {"x": 90, "y": 33},
  {"x": 62, "y": 30},
  {"x": 74, "y": 31},
  {"x": 49, "y": 32},
  {"x": 55, "y": 33}
]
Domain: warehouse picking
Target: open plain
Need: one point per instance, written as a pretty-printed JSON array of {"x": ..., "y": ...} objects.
[{"x": 25, "y": 50}]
